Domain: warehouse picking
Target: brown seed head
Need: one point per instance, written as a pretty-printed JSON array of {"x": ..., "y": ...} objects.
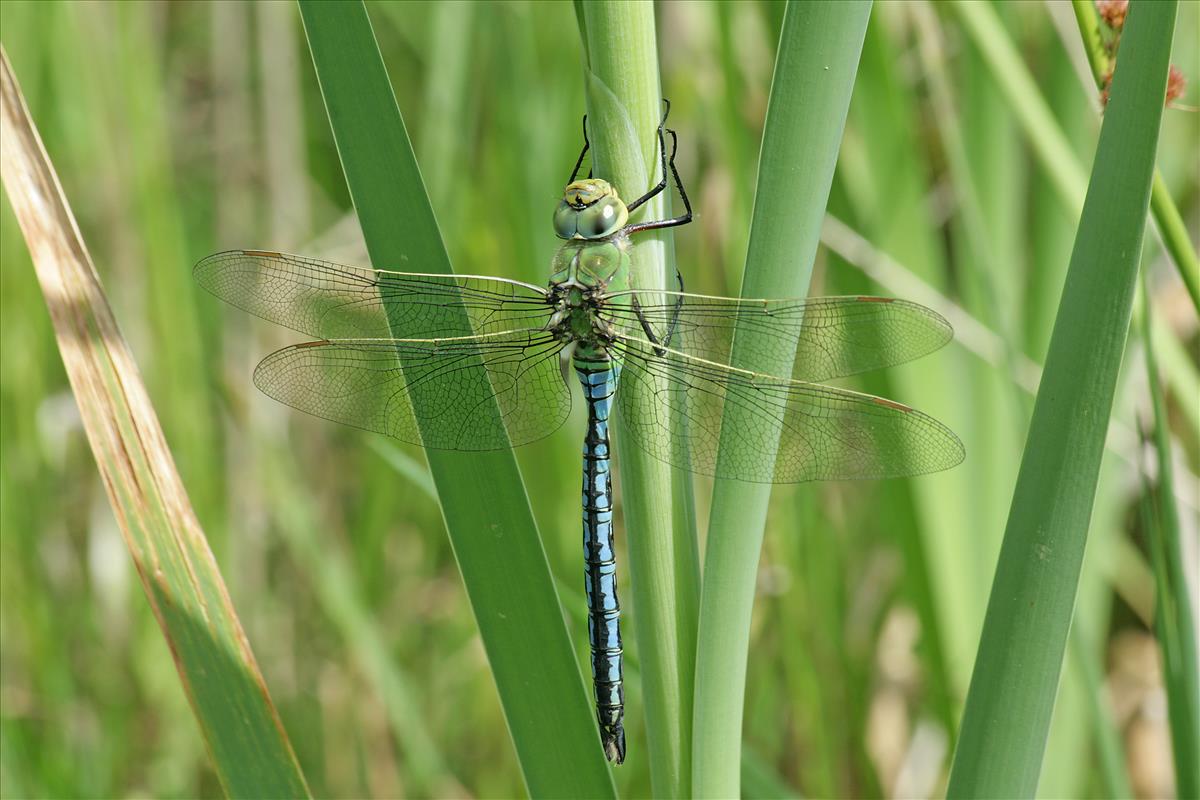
[
  {"x": 1176, "y": 85},
  {"x": 1113, "y": 12}
]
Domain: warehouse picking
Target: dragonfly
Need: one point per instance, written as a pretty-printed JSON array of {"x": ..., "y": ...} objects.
[{"x": 472, "y": 363}]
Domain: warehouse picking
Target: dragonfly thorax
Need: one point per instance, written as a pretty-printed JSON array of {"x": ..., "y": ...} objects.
[
  {"x": 583, "y": 277},
  {"x": 577, "y": 313},
  {"x": 590, "y": 210}
]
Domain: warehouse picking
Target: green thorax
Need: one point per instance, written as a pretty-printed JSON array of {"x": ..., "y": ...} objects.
[
  {"x": 603, "y": 264},
  {"x": 584, "y": 274}
]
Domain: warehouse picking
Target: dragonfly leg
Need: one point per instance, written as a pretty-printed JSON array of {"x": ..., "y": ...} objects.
[
  {"x": 662, "y": 148},
  {"x": 660, "y": 346},
  {"x": 645, "y": 323},
  {"x": 686, "y": 216},
  {"x": 675, "y": 314}
]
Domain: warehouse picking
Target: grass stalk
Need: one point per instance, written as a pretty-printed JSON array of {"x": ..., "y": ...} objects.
[
  {"x": 624, "y": 108},
  {"x": 1173, "y": 619},
  {"x": 1029, "y": 612},
  {"x": 483, "y": 500},
  {"x": 133, "y": 96},
  {"x": 882, "y": 196},
  {"x": 1050, "y": 145},
  {"x": 334, "y": 584},
  {"x": 1166, "y": 214},
  {"x": 815, "y": 66},
  {"x": 1087, "y": 662},
  {"x": 1046, "y": 137},
  {"x": 246, "y": 742}
]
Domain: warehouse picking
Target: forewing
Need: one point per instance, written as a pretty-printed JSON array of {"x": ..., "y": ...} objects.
[
  {"x": 822, "y": 337},
  {"x": 815, "y": 432},
  {"x": 333, "y": 301},
  {"x": 440, "y": 398}
]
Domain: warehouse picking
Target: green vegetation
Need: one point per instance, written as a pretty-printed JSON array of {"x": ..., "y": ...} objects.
[
  {"x": 1016, "y": 675},
  {"x": 418, "y": 618},
  {"x": 249, "y": 749}
]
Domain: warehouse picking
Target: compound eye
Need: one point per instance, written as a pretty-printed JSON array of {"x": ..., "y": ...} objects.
[
  {"x": 565, "y": 220},
  {"x": 600, "y": 220}
]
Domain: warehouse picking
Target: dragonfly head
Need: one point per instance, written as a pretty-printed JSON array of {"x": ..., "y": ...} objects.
[{"x": 590, "y": 209}]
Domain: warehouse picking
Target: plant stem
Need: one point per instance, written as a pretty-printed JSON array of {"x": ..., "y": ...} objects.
[
  {"x": 624, "y": 109},
  {"x": 1166, "y": 214}
]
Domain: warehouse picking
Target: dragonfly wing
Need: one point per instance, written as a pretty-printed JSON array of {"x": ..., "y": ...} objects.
[
  {"x": 333, "y": 301},
  {"x": 441, "y": 395},
  {"x": 816, "y": 432},
  {"x": 821, "y": 337}
]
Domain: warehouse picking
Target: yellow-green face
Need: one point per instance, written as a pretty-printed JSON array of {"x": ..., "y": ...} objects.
[{"x": 590, "y": 209}]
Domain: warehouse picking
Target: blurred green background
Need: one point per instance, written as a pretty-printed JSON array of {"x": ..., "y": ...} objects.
[{"x": 186, "y": 128}]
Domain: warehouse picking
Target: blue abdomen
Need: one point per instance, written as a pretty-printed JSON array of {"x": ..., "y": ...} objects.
[{"x": 598, "y": 375}]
